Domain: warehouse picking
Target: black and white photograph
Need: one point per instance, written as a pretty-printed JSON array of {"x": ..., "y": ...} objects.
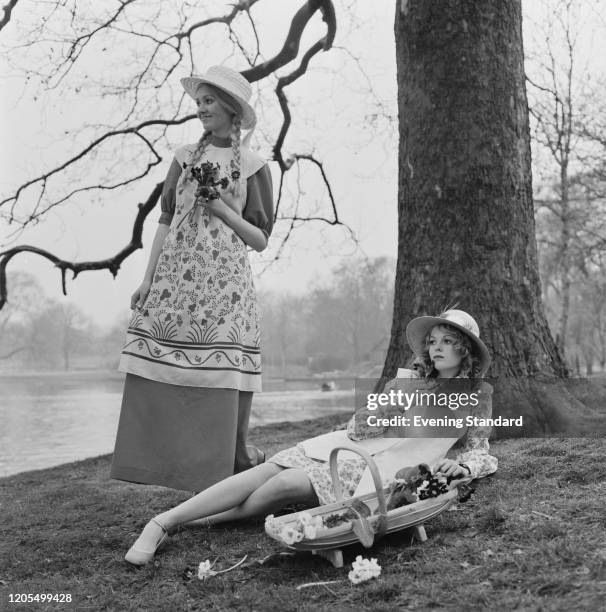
[{"x": 302, "y": 305}]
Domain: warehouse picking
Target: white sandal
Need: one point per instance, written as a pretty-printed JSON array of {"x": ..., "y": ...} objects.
[{"x": 140, "y": 555}]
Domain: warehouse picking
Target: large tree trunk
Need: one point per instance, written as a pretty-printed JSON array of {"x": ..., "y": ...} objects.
[{"x": 466, "y": 225}]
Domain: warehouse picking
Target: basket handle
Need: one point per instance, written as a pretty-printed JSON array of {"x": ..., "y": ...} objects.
[{"x": 376, "y": 477}]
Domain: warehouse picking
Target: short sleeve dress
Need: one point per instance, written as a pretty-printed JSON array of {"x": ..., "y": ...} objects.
[{"x": 192, "y": 352}]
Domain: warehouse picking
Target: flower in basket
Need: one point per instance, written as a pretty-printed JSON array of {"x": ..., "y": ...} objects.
[
  {"x": 286, "y": 533},
  {"x": 309, "y": 525},
  {"x": 364, "y": 569},
  {"x": 271, "y": 525},
  {"x": 289, "y": 535},
  {"x": 305, "y": 526}
]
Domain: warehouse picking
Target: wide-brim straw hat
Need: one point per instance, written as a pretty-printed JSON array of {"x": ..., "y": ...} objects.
[
  {"x": 232, "y": 83},
  {"x": 417, "y": 330}
]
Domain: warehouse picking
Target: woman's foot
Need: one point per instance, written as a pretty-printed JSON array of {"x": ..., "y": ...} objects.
[
  {"x": 152, "y": 537},
  {"x": 256, "y": 454},
  {"x": 254, "y": 457}
]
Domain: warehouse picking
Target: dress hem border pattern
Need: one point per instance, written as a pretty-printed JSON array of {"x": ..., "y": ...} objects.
[{"x": 199, "y": 376}]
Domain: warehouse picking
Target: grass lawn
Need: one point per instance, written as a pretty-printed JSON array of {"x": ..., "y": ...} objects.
[{"x": 533, "y": 537}]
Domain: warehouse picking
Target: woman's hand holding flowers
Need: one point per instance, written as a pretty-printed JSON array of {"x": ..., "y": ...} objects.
[
  {"x": 449, "y": 467},
  {"x": 220, "y": 206},
  {"x": 214, "y": 205},
  {"x": 235, "y": 202}
]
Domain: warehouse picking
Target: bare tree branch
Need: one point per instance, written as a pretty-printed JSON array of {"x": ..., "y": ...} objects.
[
  {"x": 290, "y": 48},
  {"x": 95, "y": 143},
  {"x": 242, "y": 5},
  {"x": 112, "y": 264},
  {"x": 8, "y": 9}
]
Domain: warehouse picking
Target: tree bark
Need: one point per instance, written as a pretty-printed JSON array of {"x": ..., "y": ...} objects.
[
  {"x": 565, "y": 261},
  {"x": 466, "y": 222}
]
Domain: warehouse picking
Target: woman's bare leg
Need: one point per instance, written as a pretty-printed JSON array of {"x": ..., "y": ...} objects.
[
  {"x": 289, "y": 486},
  {"x": 252, "y": 492},
  {"x": 222, "y": 496}
]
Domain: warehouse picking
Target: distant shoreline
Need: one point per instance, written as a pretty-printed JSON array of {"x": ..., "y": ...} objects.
[
  {"x": 115, "y": 375},
  {"x": 94, "y": 373}
]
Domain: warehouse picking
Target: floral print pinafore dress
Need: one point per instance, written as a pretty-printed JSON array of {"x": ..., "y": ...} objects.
[{"x": 199, "y": 324}]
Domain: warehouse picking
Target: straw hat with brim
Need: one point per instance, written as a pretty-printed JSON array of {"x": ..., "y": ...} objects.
[
  {"x": 232, "y": 83},
  {"x": 417, "y": 330}
]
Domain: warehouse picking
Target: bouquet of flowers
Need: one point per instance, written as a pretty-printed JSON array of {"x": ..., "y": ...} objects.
[
  {"x": 207, "y": 177},
  {"x": 414, "y": 484}
]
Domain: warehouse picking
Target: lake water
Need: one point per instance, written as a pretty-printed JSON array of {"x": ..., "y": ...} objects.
[{"x": 49, "y": 419}]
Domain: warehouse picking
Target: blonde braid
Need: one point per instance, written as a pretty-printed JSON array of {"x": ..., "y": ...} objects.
[
  {"x": 196, "y": 156},
  {"x": 235, "y": 162}
]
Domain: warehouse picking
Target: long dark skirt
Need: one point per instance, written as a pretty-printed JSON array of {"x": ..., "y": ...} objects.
[{"x": 174, "y": 436}]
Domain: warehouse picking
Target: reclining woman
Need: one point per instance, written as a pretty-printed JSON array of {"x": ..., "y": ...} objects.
[{"x": 446, "y": 347}]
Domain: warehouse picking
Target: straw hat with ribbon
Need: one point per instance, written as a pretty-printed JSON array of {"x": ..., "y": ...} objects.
[
  {"x": 417, "y": 330},
  {"x": 232, "y": 83}
]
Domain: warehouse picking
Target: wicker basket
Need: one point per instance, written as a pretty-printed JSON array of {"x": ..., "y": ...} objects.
[{"x": 381, "y": 521}]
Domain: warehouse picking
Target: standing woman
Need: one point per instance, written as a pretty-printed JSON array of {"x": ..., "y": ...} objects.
[{"x": 192, "y": 356}]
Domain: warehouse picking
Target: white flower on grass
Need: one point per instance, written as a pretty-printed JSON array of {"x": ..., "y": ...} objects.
[
  {"x": 364, "y": 569},
  {"x": 205, "y": 571}
]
